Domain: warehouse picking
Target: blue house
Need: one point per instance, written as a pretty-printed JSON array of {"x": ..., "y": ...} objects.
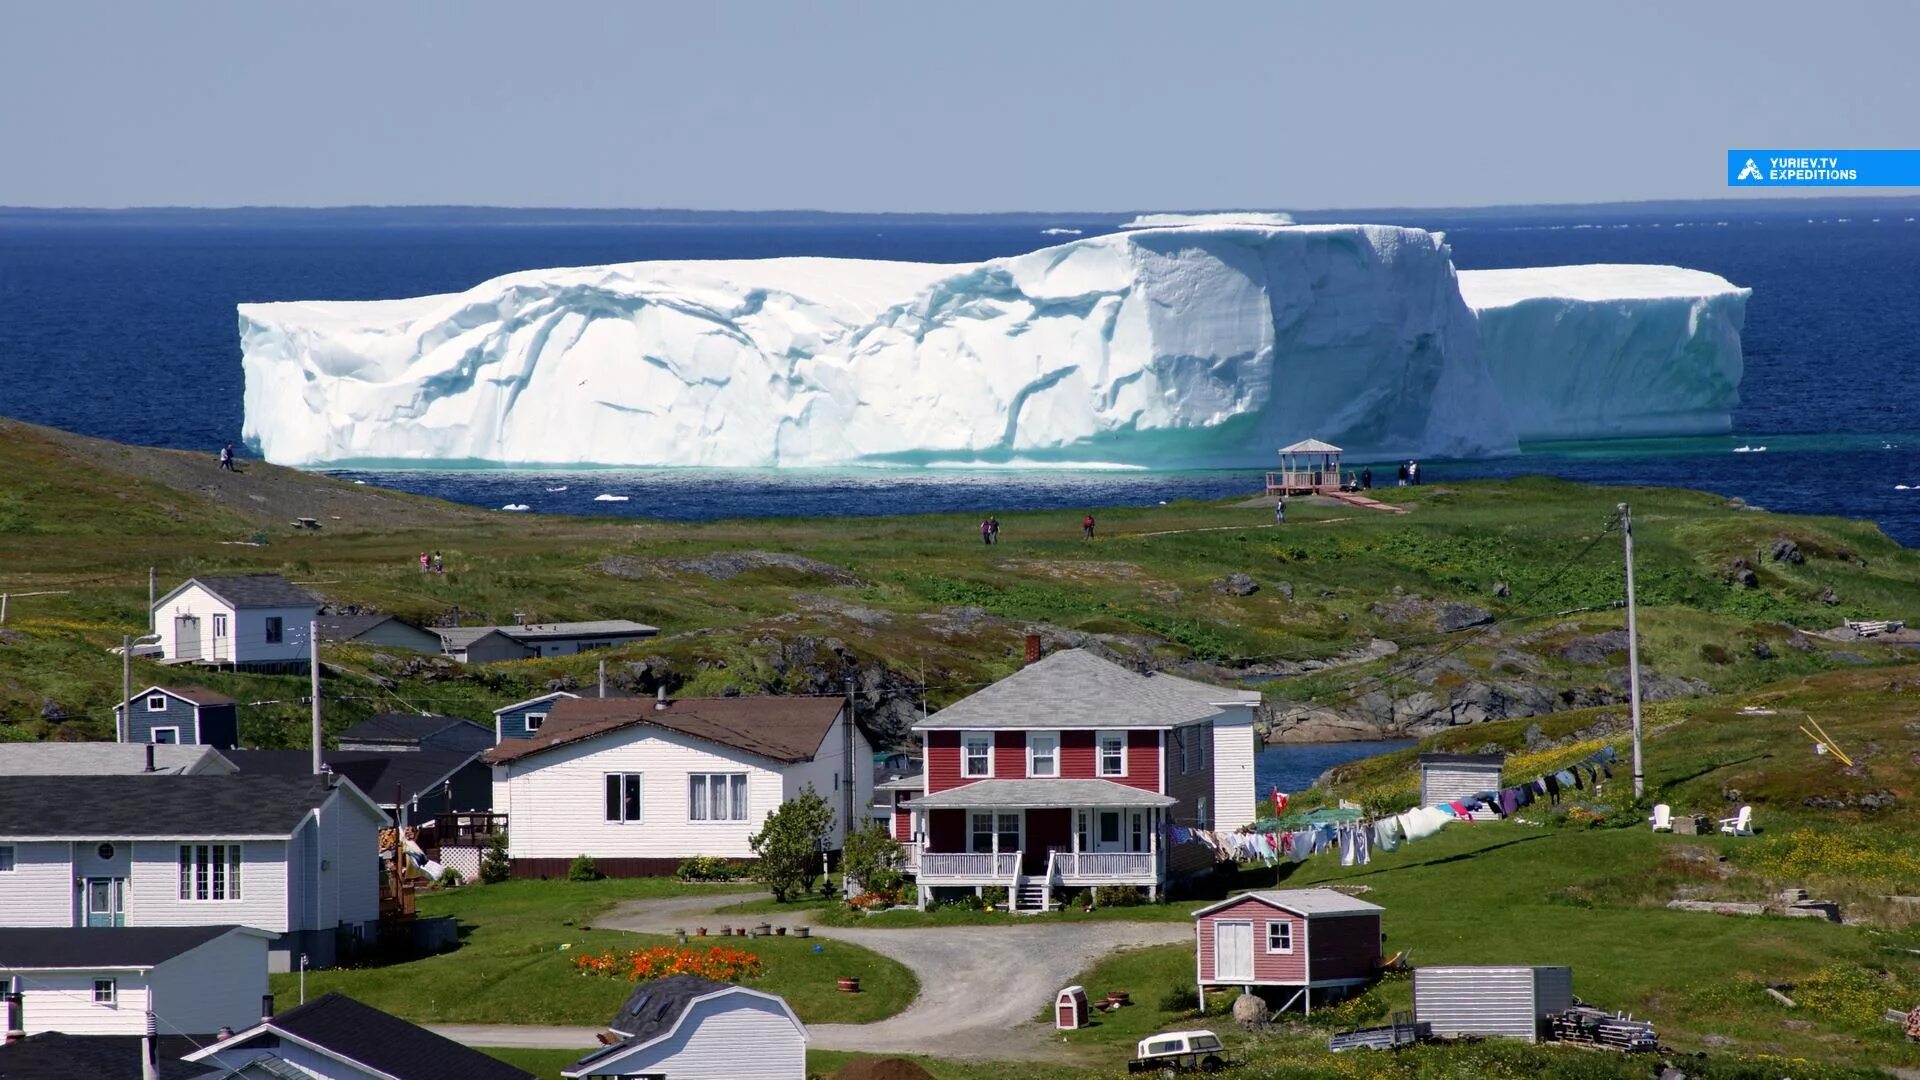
[
  {"x": 188, "y": 715},
  {"x": 522, "y": 719}
]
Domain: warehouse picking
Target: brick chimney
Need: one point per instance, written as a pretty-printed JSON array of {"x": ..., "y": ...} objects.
[{"x": 1033, "y": 649}]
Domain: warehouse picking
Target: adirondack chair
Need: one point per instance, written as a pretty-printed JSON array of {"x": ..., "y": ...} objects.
[
  {"x": 1740, "y": 824},
  {"x": 1662, "y": 818}
]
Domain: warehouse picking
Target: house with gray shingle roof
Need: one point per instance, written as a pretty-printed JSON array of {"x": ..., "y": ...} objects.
[
  {"x": 254, "y": 622},
  {"x": 688, "y": 1026},
  {"x": 1074, "y": 772},
  {"x": 485, "y": 644}
]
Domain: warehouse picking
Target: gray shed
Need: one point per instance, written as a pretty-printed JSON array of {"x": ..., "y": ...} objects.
[
  {"x": 1503, "y": 1002},
  {"x": 1446, "y": 777}
]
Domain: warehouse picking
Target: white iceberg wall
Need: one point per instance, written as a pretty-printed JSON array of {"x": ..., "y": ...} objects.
[
  {"x": 1609, "y": 351},
  {"x": 1196, "y": 345}
]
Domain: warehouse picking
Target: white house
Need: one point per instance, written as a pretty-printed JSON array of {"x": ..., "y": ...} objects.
[
  {"x": 684, "y": 1027},
  {"x": 296, "y": 856},
  {"x": 640, "y": 784},
  {"x": 89, "y": 981},
  {"x": 257, "y": 621},
  {"x": 334, "y": 1037}
]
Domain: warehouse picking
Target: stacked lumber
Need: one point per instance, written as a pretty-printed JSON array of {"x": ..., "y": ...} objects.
[{"x": 1589, "y": 1026}]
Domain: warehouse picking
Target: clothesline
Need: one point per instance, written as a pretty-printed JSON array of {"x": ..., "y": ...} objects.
[{"x": 1344, "y": 829}]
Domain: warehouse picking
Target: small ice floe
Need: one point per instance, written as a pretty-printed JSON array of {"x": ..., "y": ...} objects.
[
  {"x": 1749, "y": 449},
  {"x": 1060, "y": 231},
  {"x": 1903, "y": 487},
  {"x": 562, "y": 487},
  {"x": 360, "y": 481},
  {"x": 609, "y": 498},
  {"x": 516, "y": 507}
]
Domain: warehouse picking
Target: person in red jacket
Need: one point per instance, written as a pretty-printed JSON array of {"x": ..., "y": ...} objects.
[{"x": 1086, "y": 527}]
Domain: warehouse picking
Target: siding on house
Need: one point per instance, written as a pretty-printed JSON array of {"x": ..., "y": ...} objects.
[
  {"x": 216, "y": 985},
  {"x": 1326, "y": 948},
  {"x": 558, "y": 799},
  {"x": 511, "y": 723},
  {"x": 825, "y": 773},
  {"x": 1077, "y": 759},
  {"x": 1277, "y": 968},
  {"x": 246, "y": 639},
  {"x": 63, "y": 1001},
  {"x": 1345, "y": 946},
  {"x": 317, "y": 1064},
  {"x": 1143, "y": 761},
  {"x": 182, "y": 716},
  {"x": 153, "y": 890},
  {"x": 1446, "y": 782},
  {"x": 943, "y": 761},
  {"x": 736, "y": 1037},
  {"x": 1190, "y": 788},
  {"x": 1232, "y": 754},
  {"x": 39, "y": 890},
  {"x": 1500, "y": 1002},
  {"x": 491, "y": 648}
]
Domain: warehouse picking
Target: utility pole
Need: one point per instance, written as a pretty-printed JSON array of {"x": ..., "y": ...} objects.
[
  {"x": 126, "y": 687},
  {"x": 603, "y": 678},
  {"x": 151, "y": 576},
  {"x": 1633, "y": 651},
  {"x": 313, "y": 675}
]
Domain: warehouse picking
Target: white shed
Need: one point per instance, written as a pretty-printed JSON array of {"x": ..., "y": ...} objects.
[
  {"x": 256, "y": 621},
  {"x": 104, "y": 980},
  {"x": 1505, "y": 1002},
  {"x": 1446, "y": 777}
]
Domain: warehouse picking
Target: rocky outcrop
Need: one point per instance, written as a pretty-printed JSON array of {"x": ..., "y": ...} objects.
[
  {"x": 1236, "y": 584},
  {"x": 1381, "y": 714}
]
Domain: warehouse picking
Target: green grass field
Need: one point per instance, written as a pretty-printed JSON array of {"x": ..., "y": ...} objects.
[{"x": 514, "y": 964}]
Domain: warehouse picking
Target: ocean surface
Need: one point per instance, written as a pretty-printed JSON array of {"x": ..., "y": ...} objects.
[
  {"x": 1291, "y": 767},
  {"x": 122, "y": 325}
]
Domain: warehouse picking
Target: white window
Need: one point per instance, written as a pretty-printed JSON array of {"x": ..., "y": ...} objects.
[
  {"x": 1113, "y": 753},
  {"x": 976, "y": 754},
  {"x": 623, "y": 797},
  {"x": 166, "y": 735},
  {"x": 105, "y": 992},
  {"x": 276, "y": 629},
  {"x": 1043, "y": 753},
  {"x": 209, "y": 871},
  {"x": 156, "y": 703},
  {"x": 1279, "y": 936},
  {"x": 534, "y": 720},
  {"x": 717, "y": 797},
  {"x": 6, "y": 859},
  {"x": 220, "y": 625},
  {"x": 990, "y": 830}
]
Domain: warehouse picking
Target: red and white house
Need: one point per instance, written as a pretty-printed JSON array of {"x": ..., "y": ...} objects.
[
  {"x": 1305, "y": 939},
  {"x": 1065, "y": 774}
]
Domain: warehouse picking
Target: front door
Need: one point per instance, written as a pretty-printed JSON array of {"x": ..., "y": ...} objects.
[
  {"x": 106, "y": 902},
  {"x": 1107, "y": 835},
  {"x": 186, "y": 637},
  {"x": 220, "y": 649},
  {"x": 1233, "y": 952}
]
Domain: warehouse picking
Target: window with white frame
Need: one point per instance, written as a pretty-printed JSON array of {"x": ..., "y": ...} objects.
[
  {"x": 6, "y": 859},
  {"x": 717, "y": 796},
  {"x": 106, "y": 991},
  {"x": 990, "y": 830},
  {"x": 976, "y": 754},
  {"x": 156, "y": 703},
  {"x": 1113, "y": 753},
  {"x": 164, "y": 735},
  {"x": 1043, "y": 753},
  {"x": 209, "y": 871},
  {"x": 623, "y": 797},
  {"x": 534, "y": 720},
  {"x": 1279, "y": 936},
  {"x": 276, "y": 629}
]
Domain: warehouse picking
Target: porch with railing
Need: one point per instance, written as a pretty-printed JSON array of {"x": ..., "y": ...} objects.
[
  {"x": 968, "y": 867},
  {"x": 1105, "y": 867}
]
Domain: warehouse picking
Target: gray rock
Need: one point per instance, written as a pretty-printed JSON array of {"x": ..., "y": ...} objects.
[
  {"x": 1828, "y": 596},
  {"x": 1762, "y": 651},
  {"x": 1236, "y": 584},
  {"x": 1500, "y": 590},
  {"x": 1285, "y": 589},
  {"x": 1786, "y": 551},
  {"x": 1454, "y": 616},
  {"x": 1534, "y": 738},
  {"x": 1595, "y": 648}
]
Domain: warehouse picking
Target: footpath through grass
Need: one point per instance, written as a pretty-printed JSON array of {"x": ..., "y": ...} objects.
[{"x": 515, "y": 962}]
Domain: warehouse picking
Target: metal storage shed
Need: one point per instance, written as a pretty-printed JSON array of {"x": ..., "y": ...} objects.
[
  {"x": 1504, "y": 1002},
  {"x": 1446, "y": 777}
]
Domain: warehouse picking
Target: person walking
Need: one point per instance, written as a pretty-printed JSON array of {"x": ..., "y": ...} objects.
[
  {"x": 1403, "y": 474},
  {"x": 226, "y": 457},
  {"x": 993, "y": 529},
  {"x": 986, "y": 531},
  {"x": 439, "y": 564},
  {"x": 1413, "y": 473},
  {"x": 1366, "y": 478},
  {"x": 426, "y": 562},
  {"x": 1086, "y": 527},
  {"x": 1280, "y": 511}
]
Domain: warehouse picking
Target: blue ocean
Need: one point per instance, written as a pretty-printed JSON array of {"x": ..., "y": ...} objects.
[{"x": 122, "y": 325}]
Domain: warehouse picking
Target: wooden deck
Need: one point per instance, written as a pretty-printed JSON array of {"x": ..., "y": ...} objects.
[{"x": 1354, "y": 498}]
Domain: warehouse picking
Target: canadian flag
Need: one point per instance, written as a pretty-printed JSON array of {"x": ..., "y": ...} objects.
[{"x": 1279, "y": 802}]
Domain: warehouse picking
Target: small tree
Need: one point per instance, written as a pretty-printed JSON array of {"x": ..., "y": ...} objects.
[
  {"x": 788, "y": 845},
  {"x": 873, "y": 858},
  {"x": 583, "y": 868},
  {"x": 494, "y": 865}
]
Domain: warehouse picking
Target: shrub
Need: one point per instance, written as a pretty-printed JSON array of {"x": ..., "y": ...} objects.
[
  {"x": 583, "y": 868},
  {"x": 993, "y": 896},
  {"x": 495, "y": 867},
  {"x": 1119, "y": 896},
  {"x": 788, "y": 845},
  {"x": 451, "y": 878},
  {"x": 873, "y": 859},
  {"x": 1715, "y": 654},
  {"x": 1180, "y": 999},
  {"x": 707, "y": 868}
]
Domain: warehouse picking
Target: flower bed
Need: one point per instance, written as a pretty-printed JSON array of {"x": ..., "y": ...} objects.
[{"x": 638, "y": 965}]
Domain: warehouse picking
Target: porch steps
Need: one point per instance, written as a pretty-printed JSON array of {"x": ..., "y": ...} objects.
[{"x": 1031, "y": 897}]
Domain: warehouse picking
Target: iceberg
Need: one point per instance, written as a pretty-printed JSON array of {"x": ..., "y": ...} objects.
[
  {"x": 1206, "y": 343},
  {"x": 1610, "y": 351}
]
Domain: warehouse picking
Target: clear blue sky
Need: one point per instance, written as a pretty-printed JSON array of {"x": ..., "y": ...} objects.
[{"x": 974, "y": 106}]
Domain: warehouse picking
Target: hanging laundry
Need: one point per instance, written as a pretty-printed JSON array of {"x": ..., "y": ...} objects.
[
  {"x": 1362, "y": 845},
  {"x": 1279, "y": 802},
  {"x": 1386, "y": 833}
]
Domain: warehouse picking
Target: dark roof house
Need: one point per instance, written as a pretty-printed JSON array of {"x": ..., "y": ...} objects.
[
  {"x": 357, "y": 1036},
  {"x": 55, "y": 1056},
  {"x": 385, "y": 630},
  {"x": 421, "y": 780},
  {"x": 158, "y": 806},
  {"x": 405, "y": 731},
  {"x": 45, "y": 948},
  {"x": 248, "y": 591}
]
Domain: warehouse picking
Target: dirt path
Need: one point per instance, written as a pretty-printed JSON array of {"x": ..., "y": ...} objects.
[{"x": 980, "y": 986}]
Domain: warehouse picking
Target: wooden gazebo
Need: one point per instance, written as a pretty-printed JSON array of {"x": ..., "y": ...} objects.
[{"x": 1307, "y": 467}]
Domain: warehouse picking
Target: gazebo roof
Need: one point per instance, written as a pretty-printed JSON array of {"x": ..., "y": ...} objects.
[{"x": 1310, "y": 446}]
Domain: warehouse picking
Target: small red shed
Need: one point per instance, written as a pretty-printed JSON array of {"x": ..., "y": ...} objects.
[
  {"x": 1070, "y": 1009},
  {"x": 1307, "y": 939}
]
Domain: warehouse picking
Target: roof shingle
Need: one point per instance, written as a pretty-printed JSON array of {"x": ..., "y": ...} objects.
[
  {"x": 258, "y": 591},
  {"x": 157, "y": 806},
  {"x": 1074, "y": 688},
  {"x": 364, "y": 1034},
  {"x": 45, "y": 948},
  {"x": 52, "y": 1055},
  {"x": 783, "y": 729}
]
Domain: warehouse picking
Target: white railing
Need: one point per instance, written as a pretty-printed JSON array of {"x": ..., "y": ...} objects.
[
  {"x": 910, "y": 861},
  {"x": 1105, "y": 865},
  {"x": 974, "y": 866}
]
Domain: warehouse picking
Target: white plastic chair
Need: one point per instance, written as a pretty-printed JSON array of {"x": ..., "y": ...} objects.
[
  {"x": 1662, "y": 818},
  {"x": 1740, "y": 824}
]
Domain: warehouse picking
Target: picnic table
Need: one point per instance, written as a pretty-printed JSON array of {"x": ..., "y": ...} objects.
[{"x": 306, "y": 523}]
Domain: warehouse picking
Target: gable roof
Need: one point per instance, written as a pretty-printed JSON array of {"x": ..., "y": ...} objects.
[
  {"x": 53, "y": 948},
  {"x": 454, "y": 637},
  {"x": 108, "y": 758},
  {"x": 554, "y": 696},
  {"x": 158, "y": 806},
  {"x": 1074, "y": 688},
  {"x": 1307, "y": 902},
  {"x": 348, "y": 627},
  {"x": 339, "y": 1026},
  {"x": 52, "y": 1055},
  {"x": 244, "y": 591},
  {"x": 783, "y": 729},
  {"x": 1310, "y": 446},
  {"x": 406, "y": 728},
  {"x": 192, "y": 695},
  {"x": 374, "y": 772},
  {"x": 656, "y": 1009}
]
